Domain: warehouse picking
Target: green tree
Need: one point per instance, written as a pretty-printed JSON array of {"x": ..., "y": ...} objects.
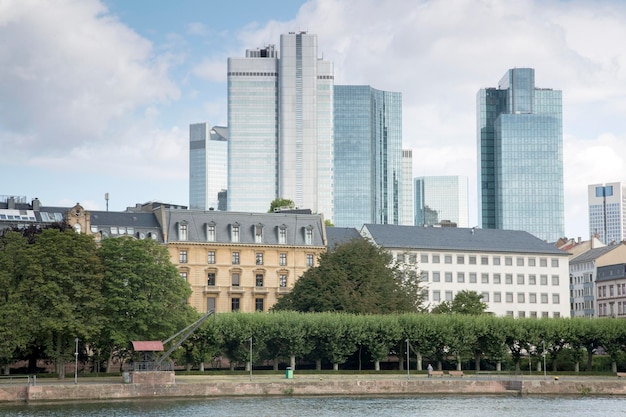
[
  {"x": 354, "y": 277},
  {"x": 281, "y": 202},
  {"x": 145, "y": 295},
  {"x": 464, "y": 302}
]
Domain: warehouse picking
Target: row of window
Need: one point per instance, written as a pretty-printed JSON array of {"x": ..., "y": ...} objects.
[
  {"x": 619, "y": 289},
  {"x": 473, "y": 260},
  {"x": 235, "y": 232},
  {"x": 235, "y": 279},
  {"x": 509, "y": 297},
  {"x": 235, "y": 304},
  {"x": 612, "y": 309},
  {"x": 236, "y": 258},
  {"x": 472, "y": 278}
]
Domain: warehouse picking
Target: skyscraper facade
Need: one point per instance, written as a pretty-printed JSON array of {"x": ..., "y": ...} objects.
[
  {"x": 368, "y": 156},
  {"x": 607, "y": 212},
  {"x": 280, "y": 117},
  {"x": 407, "y": 217},
  {"x": 441, "y": 199},
  {"x": 520, "y": 156},
  {"x": 207, "y": 165}
]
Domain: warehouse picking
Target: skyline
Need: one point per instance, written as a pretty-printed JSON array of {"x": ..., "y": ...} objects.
[{"x": 97, "y": 97}]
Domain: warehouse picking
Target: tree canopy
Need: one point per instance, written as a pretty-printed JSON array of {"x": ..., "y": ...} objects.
[
  {"x": 281, "y": 202},
  {"x": 354, "y": 277},
  {"x": 464, "y": 302}
]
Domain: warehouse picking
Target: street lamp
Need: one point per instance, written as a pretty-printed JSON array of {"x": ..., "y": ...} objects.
[
  {"x": 76, "y": 363},
  {"x": 408, "y": 362},
  {"x": 250, "y": 358},
  {"x": 544, "y": 358}
]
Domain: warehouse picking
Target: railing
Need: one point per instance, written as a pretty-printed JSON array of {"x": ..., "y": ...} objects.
[
  {"x": 152, "y": 366},
  {"x": 18, "y": 379}
]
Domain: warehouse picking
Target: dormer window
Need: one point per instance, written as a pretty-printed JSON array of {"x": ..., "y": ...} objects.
[
  {"x": 282, "y": 234},
  {"x": 182, "y": 230},
  {"x": 308, "y": 235},
  {"x": 258, "y": 233},
  {"x": 234, "y": 232},
  {"x": 210, "y": 232}
]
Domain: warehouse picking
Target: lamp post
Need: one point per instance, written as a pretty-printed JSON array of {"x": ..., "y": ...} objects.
[
  {"x": 76, "y": 363},
  {"x": 250, "y": 358},
  {"x": 544, "y": 358},
  {"x": 408, "y": 362}
]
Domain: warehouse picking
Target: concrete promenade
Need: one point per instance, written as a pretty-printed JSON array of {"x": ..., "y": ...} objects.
[{"x": 305, "y": 384}]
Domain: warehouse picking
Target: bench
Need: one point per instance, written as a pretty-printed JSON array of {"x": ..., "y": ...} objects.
[
  {"x": 436, "y": 373},
  {"x": 455, "y": 373},
  {"x": 621, "y": 374}
]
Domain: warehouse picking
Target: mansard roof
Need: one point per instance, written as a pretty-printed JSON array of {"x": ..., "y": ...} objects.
[
  {"x": 593, "y": 254},
  {"x": 458, "y": 239},
  {"x": 197, "y": 221}
]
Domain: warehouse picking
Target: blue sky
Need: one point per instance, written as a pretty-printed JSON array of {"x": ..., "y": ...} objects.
[{"x": 96, "y": 95}]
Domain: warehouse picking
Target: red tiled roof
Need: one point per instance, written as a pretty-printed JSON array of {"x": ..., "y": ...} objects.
[{"x": 148, "y": 346}]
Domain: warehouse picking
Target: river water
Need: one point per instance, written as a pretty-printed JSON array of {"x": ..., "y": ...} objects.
[{"x": 423, "y": 406}]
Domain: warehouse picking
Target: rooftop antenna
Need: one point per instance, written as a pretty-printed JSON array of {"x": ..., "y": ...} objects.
[{"x": 106, "y": 198}]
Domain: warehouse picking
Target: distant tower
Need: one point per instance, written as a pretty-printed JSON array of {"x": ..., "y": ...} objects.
[
  {"x": 207, "y": 165},
  {"x": 607, "y": 212},
  {"x": 441, "y": 198},
  {"x": 520, "y": 156}
]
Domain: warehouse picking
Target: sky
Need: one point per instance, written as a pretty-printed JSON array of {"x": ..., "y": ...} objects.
[{"x": 96, "y": 96}]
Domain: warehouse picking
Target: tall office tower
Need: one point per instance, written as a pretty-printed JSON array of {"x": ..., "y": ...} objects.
[
  {"x": 408, "y": 216},
  {"x": 441, "y": 199},
  {"x": 520, "y": 156},
  {"x": 280, "y": 115},
  {"x": 368, "y": 156},
  {"x": 607, "y": 212},
  {"x": 207, "y": 165}
]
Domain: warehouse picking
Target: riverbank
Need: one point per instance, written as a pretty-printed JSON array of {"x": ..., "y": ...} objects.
[{"x": 90, "y": 389}]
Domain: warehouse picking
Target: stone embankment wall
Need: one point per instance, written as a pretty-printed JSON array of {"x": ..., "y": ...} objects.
[{"x": 293, "y": 387}]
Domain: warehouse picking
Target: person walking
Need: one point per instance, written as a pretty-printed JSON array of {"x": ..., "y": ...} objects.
[{"x": 430, "y": 370}]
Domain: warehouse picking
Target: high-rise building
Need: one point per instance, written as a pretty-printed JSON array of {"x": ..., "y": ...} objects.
[
  {"x": 280, "y": 119},
  {"x": 441, "y": 200},
  {"x": 368, "y": 156},
  {"x": 407, "y": 217},
  {"x": 520, "y": 156},
  {"x": 607, "y": 212},
  {"x": 207, "y": 165}
]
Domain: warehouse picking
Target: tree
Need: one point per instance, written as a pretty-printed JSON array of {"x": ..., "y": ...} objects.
[
  {"x": 145, "y": 295},
  {"x": 354, "y": 277},
  {"x": 464, "y": 302},
  {"x": 281, "y": 202}
]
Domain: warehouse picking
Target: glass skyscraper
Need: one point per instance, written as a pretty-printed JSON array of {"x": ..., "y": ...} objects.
[
  {"x": 368, "y": 156},
  {"x": 441, "y": 199},
  {"x": 207, "y": 165},
  {"x": 280, "y": 119},
  {"x": 607, "y": 212},
  {"x": 520, "y": 156}
]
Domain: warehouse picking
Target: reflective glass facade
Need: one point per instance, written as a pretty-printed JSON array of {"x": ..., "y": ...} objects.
[
  {"x": 520, "y": 160},
  {"x": 441, "y": 198},
  {"x": 368, "y": 156},
  {"x": 208, "y": 163},
  {"x": 607, "y": 212}
]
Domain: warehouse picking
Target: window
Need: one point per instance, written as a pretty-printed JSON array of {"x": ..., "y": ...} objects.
[
  {"x": 259, "y": 280},
  {"x": 496, "y": 278},
  {"x": 258, "y": 233},
  {"x": 182, "y": 231},
  {"x": 520, "y": 279},
  {"x": 543, "y": 279},
  {"x": 449, "y": 296},
  {"x": 556, "y": 314},
  {"x": 435, "y": 259},
  {"x": 235, "y": 258},
  {"x": 472, "y": 260},
  {"x": 508, "y": 279},
  {"x": 509, "y": 297},
  {"x": 448, "y": 276},
  {"x": 282, "y": 234},
  {"x": 555, "y": 299},
  {"x": 484, "y": 278},
  {"x": 554, "y": 262},
  {"x": 497, "y": 297},
  {"x": 210, "y": 279},
  {"x": 211, "y": 257},
  {"x": 496, "y": 260},
  {"x": 521, "y": 298},
  {"x": 484, "y": 260},
  {"x": 412, "y": 258},
  {"x": 460, "y": 259},
  {"x": 182, "y": 257},
  {"x": 532, "y": 298},
  {"x": 282, "y": 280},
  {"x": 520, "y": 261},
  {"x": 210, "y": 304},
  {"x": 235, "y": 279},
  {"x": 400, "y": 258},
  {"x": 210, "y": 232},
  {"x": 183, "y": 275},
  {"x": 234, "y": 304},
  {"x": 544, "y": 298},
  {"x": 436, "y": 277},
  {"x": 533, "y": 314},
  {"x": 259, "y": 258},
  {"x": 282, "y": 259},
  {"x": 472, "y": 277},
  {"x": 544, "y": 314},
  {"x": 460, "y": 277},
  {"x": 532, "y": 262},
  {"x": 555, "y": 280},
  {"x": 424, "y": 258},
  {"x": 436, "y": 296},
  {"x": 113, "y": 230},
  {"x": 234, "y": 232},
  {"x": 309, "y": 259},
  {"x": 532, "y": 279},
  {"x": 509, "y": 313},
  {"x": 308, "y": 235},
  {"x": 424, "y": 276},
  {"x": 543, "y": 262},
  {"x": 485, "y": 297},
  {"x": 258, "y": 304},
  {"x": 508, "y": 261},
  {"x": 521, "y": 314},
  {"x": 447, "y": 259}
]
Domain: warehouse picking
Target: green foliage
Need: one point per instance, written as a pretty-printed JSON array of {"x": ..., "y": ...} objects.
[
  {"x": 464, "y": 302},
  {"x": 354, "y": 277},
  {"x": 281, "y": 202}
]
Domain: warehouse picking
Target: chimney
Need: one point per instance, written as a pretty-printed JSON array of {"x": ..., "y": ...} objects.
[
  {"x": 36, "y": 204},
  {"x": 11, "y": 203}
]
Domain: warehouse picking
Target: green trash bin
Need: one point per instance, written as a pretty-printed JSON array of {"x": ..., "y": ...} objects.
[{"x": 289, "y": 373}]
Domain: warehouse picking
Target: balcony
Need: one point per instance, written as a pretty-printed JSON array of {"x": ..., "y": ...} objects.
[
  {"x": 260, "y": 290},
  {"x": 212, "y": 289}
]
